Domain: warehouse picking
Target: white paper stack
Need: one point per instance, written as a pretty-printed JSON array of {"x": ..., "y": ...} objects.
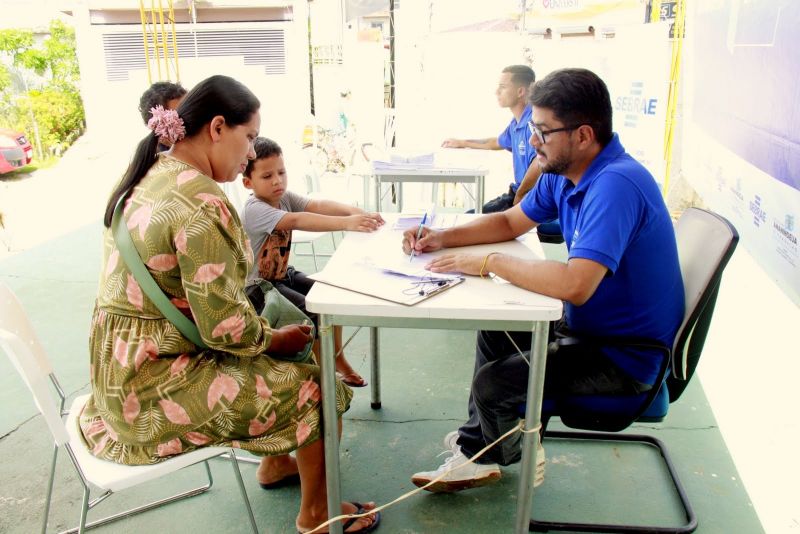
[{"x": 404, "y": 160}]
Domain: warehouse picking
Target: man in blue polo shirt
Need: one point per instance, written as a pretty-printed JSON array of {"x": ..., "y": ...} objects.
[
  {"x": 512, "y": 93},
  {"x": 621, "y": 278}
]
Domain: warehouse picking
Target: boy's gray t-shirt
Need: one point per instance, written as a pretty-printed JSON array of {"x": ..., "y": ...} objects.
[{"x": 259, "y": 220}]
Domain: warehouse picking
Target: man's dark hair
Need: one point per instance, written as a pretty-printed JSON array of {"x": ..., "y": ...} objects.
[
  {"x": 521, "y": 75},
  {"x": 576, "y": 97},
  {"x": 158, "y": 95},
  {"x": 264, "y": 148}
]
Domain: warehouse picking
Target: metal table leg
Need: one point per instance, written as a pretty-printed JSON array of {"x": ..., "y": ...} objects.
[
  {"x": 378, "y": 204},
  {"x": 375, "y": 368},
  {"x": 329, "y": 421},
  {"x": 479, "y": 194},
  {"x": 533, "y": 416}
]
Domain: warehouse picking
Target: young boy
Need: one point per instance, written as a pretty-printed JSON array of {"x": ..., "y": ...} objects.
[
  {"x": 166, "y": 94},
  {"x": 270, "y": 215}
]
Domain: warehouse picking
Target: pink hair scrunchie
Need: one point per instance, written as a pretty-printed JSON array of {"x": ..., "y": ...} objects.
[{"x": 166, "y": 124}]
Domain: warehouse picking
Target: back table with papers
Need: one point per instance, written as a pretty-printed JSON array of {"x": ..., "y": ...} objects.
[{"x": 472, "y": 305}]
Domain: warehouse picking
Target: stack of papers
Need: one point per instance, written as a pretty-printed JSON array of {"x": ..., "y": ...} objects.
[
  {"x": 412, "y": 159},
  {"x": 404, "y": 160}
]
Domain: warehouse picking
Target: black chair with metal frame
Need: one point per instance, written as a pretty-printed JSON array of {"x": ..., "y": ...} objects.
[{"x": 706, "y": 242}]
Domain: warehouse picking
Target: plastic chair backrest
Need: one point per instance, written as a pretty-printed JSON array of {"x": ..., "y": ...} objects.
[
  {"x": 706, "y": 242},
  {"x": 28, "y": 357}
]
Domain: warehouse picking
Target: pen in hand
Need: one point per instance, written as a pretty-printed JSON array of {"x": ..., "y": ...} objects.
[{"x": 419, "y": 234}]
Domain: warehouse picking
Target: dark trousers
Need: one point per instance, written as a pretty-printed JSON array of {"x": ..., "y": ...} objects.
[
  {"x": 500, "y": 385},
  {"x": 501, "y": 203}
]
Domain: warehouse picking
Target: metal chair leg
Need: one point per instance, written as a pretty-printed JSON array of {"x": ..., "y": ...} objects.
[
  {"x": 691, "y": 518},
  {"x": 239, "y": 480},
  {"x": 314, "y": 255},
  {"x": 84, "y": 509},
  {"x": 133, "y": 511},
  {"x": 50, "y": 488}
]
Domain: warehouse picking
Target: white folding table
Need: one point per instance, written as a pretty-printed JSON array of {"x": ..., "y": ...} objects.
[
  {"x": 430, "y": 175},
  {"x": 477, "y": 303}
]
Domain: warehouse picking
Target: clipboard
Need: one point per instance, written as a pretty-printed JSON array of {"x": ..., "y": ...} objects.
[{"x": 406, "y": 288}]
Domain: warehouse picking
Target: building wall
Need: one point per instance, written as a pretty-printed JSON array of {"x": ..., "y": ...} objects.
[{"x": 263, "y": 47}]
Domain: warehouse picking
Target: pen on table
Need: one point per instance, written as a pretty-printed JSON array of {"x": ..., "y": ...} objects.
[{"x": 419, "y": 234}]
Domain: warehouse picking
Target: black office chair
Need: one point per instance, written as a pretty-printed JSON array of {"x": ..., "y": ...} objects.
[{"x": 706, "y": 242}]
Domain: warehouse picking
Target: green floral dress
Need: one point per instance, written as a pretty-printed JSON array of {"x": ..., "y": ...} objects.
[{"x": 154, "y": 393}]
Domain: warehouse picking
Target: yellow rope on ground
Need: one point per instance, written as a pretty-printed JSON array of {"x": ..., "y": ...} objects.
[{"x": 437, "y": 479}]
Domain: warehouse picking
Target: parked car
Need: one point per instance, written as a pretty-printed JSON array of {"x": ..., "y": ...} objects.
[{"x": 15, "y": 150}]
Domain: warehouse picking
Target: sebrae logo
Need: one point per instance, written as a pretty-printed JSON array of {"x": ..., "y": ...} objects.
[
  {"x": 575, "y": 235},
  {"x": 636, "y": 104}
]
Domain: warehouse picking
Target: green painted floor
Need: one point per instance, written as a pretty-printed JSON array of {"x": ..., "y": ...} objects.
[{"x": 425, "y": 377}]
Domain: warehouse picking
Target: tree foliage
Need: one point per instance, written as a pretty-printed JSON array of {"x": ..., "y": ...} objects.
[{"x": 39, "y": 86}]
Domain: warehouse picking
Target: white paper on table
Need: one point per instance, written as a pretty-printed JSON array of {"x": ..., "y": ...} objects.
[{"x": 397, "y": 282}]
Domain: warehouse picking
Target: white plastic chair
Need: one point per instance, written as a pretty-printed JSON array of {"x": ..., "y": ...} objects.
[
  {"x": 302, "y": 237},
  {"x": 26, "y": 353}
]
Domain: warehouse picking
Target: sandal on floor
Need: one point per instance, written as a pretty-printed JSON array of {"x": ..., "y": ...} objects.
[
  {"x": 354, "y": 380},
  {"x": 349, "y": 523},
  {"x": 288, "y": 480}
]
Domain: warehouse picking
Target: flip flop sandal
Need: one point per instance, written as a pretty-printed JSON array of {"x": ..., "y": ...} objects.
[
  {"x": 352, "y": 379},
  {"x": 349, "y": 523}
]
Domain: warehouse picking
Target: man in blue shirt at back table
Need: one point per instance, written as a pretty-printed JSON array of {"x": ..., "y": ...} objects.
[
  {"x": 622, "y": 276},
  {"x": 512, "y": 92}
]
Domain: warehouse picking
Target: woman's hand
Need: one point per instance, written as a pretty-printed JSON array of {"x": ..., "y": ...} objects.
[
  {"x": 289, "y": 339},
  {"x": 456, "y": 263},
  {"x": 429, "y": 240},
  {"x": 363, "y": 222}
]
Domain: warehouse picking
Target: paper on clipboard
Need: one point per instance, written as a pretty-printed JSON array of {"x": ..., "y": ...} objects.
[{"x": 395, "y": 283}]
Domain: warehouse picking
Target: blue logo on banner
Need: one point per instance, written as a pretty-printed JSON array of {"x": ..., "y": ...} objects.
[
  {"x": 759, "y": 215},
  {"x": 635, "y": 104},
  {"x": 787, "y": 229}
]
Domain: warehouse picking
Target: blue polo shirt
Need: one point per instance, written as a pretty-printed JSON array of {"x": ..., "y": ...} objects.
[
  {"x": 515, "y": 139},
  {"x": 617, "y": 217}
]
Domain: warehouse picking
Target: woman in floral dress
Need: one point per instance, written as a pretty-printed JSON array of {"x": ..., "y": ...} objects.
[{"x": 154, "y": 393}]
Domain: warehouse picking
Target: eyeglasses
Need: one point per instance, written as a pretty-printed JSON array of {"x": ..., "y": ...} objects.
[{"x": 540, "y": 134}]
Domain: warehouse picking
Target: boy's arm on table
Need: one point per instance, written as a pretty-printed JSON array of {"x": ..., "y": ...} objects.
[
  {"x": 330, "y": 207},
  {"x": 359, "y": 221}
]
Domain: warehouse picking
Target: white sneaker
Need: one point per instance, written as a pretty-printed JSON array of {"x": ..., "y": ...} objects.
[
  {"x": 460, "y": 475},
  {"x": 450, "y": 441},
  {"x": 538, "y": 476}
]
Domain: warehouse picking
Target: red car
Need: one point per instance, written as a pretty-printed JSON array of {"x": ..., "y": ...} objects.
[{"x": 15, "y": 150}]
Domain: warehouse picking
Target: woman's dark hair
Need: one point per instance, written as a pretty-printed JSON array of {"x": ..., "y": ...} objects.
[
  {"x": 264, "y": 148},
  {"x": 576, "y": 97},
  {"x": 217, "y": 95}
]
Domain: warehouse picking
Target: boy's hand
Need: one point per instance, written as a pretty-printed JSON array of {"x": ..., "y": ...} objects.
[
  {"x": 363, "y": 222},
  {"x": 429, "y": 241}
]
